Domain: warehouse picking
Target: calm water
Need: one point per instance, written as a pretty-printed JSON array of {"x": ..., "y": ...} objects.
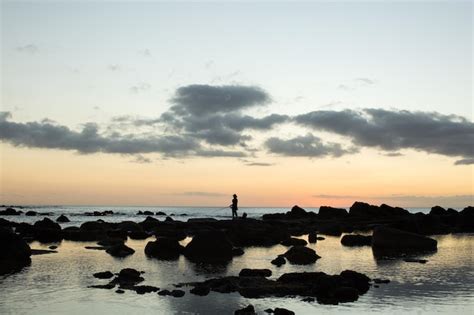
[{"x": 57, "y": 283}]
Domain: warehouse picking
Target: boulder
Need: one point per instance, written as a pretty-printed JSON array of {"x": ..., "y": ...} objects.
[
  {"x": 280, "y": 260},
  {"x": 331, "y": 213},
  {"x": 200, "y": 290},
  {"x": 210, "y": 246},
  {"x": 301, "y": 255},
  {"x": 294, "y": 242},
  {"x": 10, "y": 211},
  {"x": 63, "y": 219},
  {"x": 385, "y": 239},
  {"x": 164, "y": 248},
  {"x": 120, "y": 250},
  {"x": 437, "y": 210},
  {"x": 47, "y": 231},
  {"x": 103, "y": 275},
  {"x": 14, "y": 252},
  {"x": 142, "y": 289},
  {"x": 282, "y": 311},
  {"x": 128, "y": 276},
  {"x": 312, "y": 237},
  {"x": 246, "y": 272},
  {"x": 248, "y": 310},
  {"x": 356, "y": 240},
  {"x": 31, "y": 213},
  {"x": 297, "y": 211}
]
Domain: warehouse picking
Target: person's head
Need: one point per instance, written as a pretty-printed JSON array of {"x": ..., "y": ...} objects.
[{"x": 235, "y": 196}]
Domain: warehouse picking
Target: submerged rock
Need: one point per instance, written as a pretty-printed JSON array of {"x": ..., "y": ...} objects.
[
  {"x": 280, "y": 260},
  {"x": 246, "y": 272},
  {"x": 249, "y": 310},
  {"x": 301, "y": 255},
  {"x": 282, "y": 311},
  {"x": 103, "y": 275},
  {"x": 120, "y": 250},
  {"x": 62, "y": 218},
  {"x": 312, "y": 237},
  {"x": 294, "y": 242},
  {"x": 10, "y": 211}
]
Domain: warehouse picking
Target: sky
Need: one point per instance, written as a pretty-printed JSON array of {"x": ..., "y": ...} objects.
[{"x": 185, "y": 104}]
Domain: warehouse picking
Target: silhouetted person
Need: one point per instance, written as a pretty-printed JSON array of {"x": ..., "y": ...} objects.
[{"x": 234, "y": 207}]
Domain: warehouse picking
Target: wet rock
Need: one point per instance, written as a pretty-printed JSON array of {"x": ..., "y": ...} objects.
[
  {"x": 164, "y": 292},
  {"x": 280, "y": 260},
  {"x": 378, "y": 280},
  {"x": 249, "y": 310},
  {"x": 211, "y": 247},
  {"x": 320, "y": 238},
  {"x": 255, "y": 273},
  {"x": 331, "y": 229},
  {"x": 142, "y": 289},
  {"x": 160, "y": 213},
  {"x": 129, "y": 226},
  {"x": 282, "y": 311},
  {"x": 138, "y": 235},
  {"x": 387, "y": 240},
  {"x": 107, "y": 286},
  {"x": 103, "y": 275},
  {"x": 308, "y": 299},
  {"x": 251, "y": 232},
  {"x": 62, "y": 218},
  {"x": 294, "y": 242},
  {"x": 96, "y": 247},
  {"x": 31, "y": 213},
  {"x": 301, "y": 255},
  {"x": 14, "y": 252},
  {"x": 414, "y": 260},
  {"x": 164, "y": 248},
  {"x": 110, "y": 241},
  {"x": 437, "y": 210},
  {"x": 120, "y": 291},
  {"x": 52, "y": 247},
  {"x": 42, "y": 251},
  {"x": 200, "y": 290},
  {"x": 169, "y": 219},
  {"x": 356, "y": 240},
  {"x": 346, "y": 294},
  {"x": 177, "y": 293},
  {"x": 120, "y": 250},
  {"x": 47, "y": 231},
  {"x": 150, "y": 223},
  {"x": 237, "y": 251},
  {"x": 312, "y": 237},
  {"x": 331, "y": 213},
  {"x": 10, "y": 211},
  {"x": 297, "y": 211},
  {"x": 145, "y": 212},
  {"x": 128, "y": 277},
  {"x": 468, "y": 211}
]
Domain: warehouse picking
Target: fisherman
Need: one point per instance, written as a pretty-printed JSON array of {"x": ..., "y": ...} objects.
[{"x": 234, "y": 207}]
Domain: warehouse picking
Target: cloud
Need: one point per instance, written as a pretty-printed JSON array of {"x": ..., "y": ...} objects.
[
  {"x": 465, "y": 161},
  {"x": 393, "y": 130},
  {"x": 30, "y": 49},
  {"x": 206, "y": 99},
  {"x": 220, "y": 153},
  {"x": 393, "y": 154},
  {"x": 202, "y": 194},
  {"x": 309, "y": 146},
  {"x": 114, "y": 67},
  {"x": 145, "y": 52},
  {"x": 141, "y": 87},
  {"x": 141, "y": 159},
  {"x": 52, "y": 136},
  {"x": 324, "y": 196},
  {"x": 259, "y": 164},
  {"x": 365, "y": 81}
]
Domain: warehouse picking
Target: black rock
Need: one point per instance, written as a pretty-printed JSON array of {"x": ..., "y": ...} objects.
[
  {"x": 211, "y": 247},
  {"x": 356, "y": 240},
  {"x": 255, "y": 273},
  {"x": 120, "y": 250},
  {"x": 312, "y": 237},
  {"x": 14, "y": 252},
  {"x": 142, "y": 289},
  {"x": 177, "y": 293},
  {"x": 378, "y": 281},
  {"x": 388, "y": 240},
  {"x": 249, "y": 310},
  {"x": 31, "y": 213},
  {"x": 103, "y": 286},
  {"x": 47, "y": 231},
  {"x": 62, "y": 218},
  {"x": 414, "y": 260},
  {"x": 294, "y": 242},
  {"x": 164, "y": 248},
  {"x": 10, "y": 211},
  {"x": 301, "y": 255},
  {"x": 280, "y": 260},
  {"x": 164, "y": 292},
  {"x": 237, "y": 251},
  {"x": 128, "y": 277},
  {"x": 200, "y": 290},
  {"x": 437, "y": 210},
  {"x": 103, "y": 275},
  {"x": 282, "y": 311},
  {"x": 330, "y": 212}
]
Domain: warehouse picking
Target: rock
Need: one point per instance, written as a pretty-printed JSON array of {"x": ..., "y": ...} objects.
[
  {"x": 364, "y": 210},
  {"x": 280, "y": 260},
  {"x": 103, "y": 286},
  {"x": 31, "y": 213},
  {"x": 282, "y": 311},
  {"x": 129, "y": 226},
  {"x": 62, "y": 218},
  {"x": 128, "y": 277},
  {"x": 164, "y": 292},
  {"x": 294, "y": 242},
  {"x": 468, "y": 211},
  {"x": 200, "y": 290},
  {"x": 10, "y": 211},
  {"x": 120, "y": 250},
  {"x": 47, "y": 231},
  {"x": 414, "y": 260},
  {"x": 331, "y": 229},
  {"x": 312, "y": 237},
  {"x": 150, "y": 223},
  {"x": 103, "y": 275},
  {"x": 119, "y": 291},
  {"x": 14, "y": 252},
  {"x": 320, "y": 238},
  {"x": 331, "y": 213},
  {"x": 308, "y": 299},
  {"x": 356, "y": 240},
  {"x": 437, "y": 210},
  {"x": 96, "y": 247},
  {"x": 249, "y": 310},
  {"x": 142, "y": 289},
  {"x": 387, "y": 240},
  {"x": 297, "y": 212},
  {"x": 145, "y": 212},
  {"x": 52, "y": 247},
  {"x": 255, "y": 273},
  {"x": 42, "y": 251},
  {"x": 160, "y": 213},
  {"x": 169, "y": 219},
  {"x": 378, "y": 280},
  {"x": 211, "y": 247},
  {"x": 177, "y": 293},
  {"x": 138, "y": 235},
  {"x": 110, "y": 241},
  {"x": 346, "y": 294},
  {"x": 301, "y": 255},
  {"x": 164, "y": 248},
  {"x": 237, "y": 251}
]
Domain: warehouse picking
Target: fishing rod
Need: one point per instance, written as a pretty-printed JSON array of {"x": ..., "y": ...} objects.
[{"x": 223, "y": 208}]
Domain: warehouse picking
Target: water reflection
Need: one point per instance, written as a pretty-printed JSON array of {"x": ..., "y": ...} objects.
[{"x": 57, "y": 283}]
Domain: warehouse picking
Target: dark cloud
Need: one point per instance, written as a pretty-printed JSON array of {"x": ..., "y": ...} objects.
[
  {"x": 309, "y": 146},
  {"x": 259, "y": 164},
  {"x": 324, "y": 196},
  {"x": 141, "y": 159},
  {"x": 202, "y": 194},
  {"x": 88, "y": 140},
  {"x": 393, "y": 130},
  {"x": 220, "y": 153},
  {"x": 465, "y": 162},
  {"x": 206, "y": 99}
]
